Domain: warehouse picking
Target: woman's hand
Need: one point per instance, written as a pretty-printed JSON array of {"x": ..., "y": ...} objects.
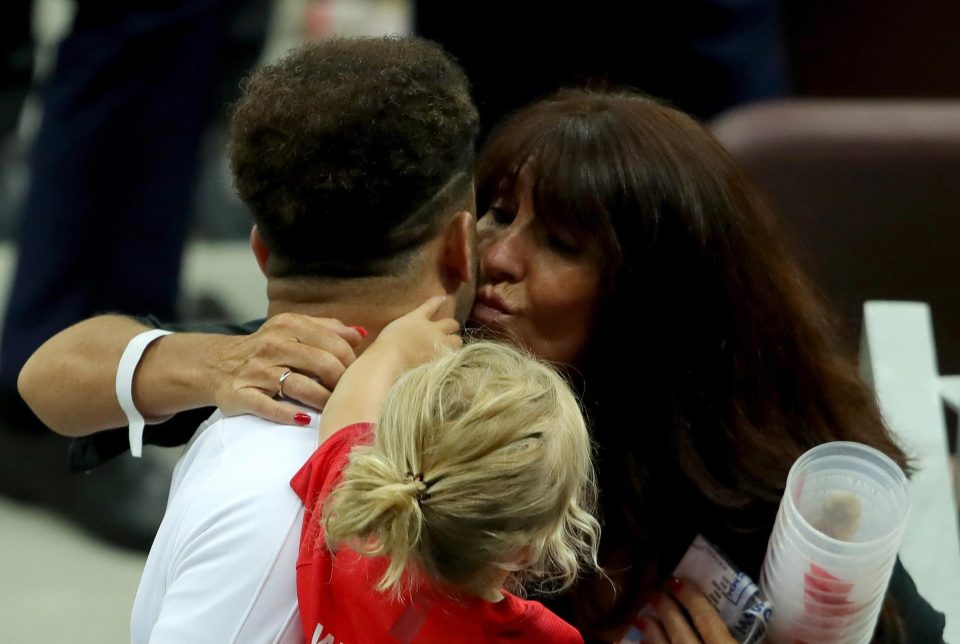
[
  {"x": 406, "y": 342},
  {"x": 245, "y": 370},
  {"x": 696, "y": 622},
  {"x": 417, "y": 337}
]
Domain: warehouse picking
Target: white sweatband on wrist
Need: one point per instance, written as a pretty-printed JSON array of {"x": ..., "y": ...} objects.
[{"x": 125, "y": 371}]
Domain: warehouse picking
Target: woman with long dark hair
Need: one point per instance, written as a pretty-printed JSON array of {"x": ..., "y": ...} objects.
[{"x": 708, "y": 363}]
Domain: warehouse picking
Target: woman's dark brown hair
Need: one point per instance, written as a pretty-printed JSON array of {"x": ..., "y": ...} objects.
[{"x": 713, "y": 365}]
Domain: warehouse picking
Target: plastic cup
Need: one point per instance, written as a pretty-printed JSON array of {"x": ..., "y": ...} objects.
[
  {"x": 808, "y": 594},
  {"x": 811, "y": 628},
  {"x": 838, "y": 609},
  {"x": 861, "y": 634},
  {"x": 811, "y": 605},
  {"x": 802, "y": 571},
  {"x": 861, "y": 573},
  {"x": 808, "y": 622},
  {"x": 845, "y": 470},
  {"x": 834, "y": 544}
]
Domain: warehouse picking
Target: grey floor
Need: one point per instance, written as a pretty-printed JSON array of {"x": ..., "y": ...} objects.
[{"x": 42, "y": 560}]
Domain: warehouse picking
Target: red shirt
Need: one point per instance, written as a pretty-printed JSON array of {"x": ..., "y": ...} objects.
[{"x": 337, "y": 591}]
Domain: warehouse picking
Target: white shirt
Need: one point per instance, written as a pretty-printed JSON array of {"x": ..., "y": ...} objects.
[{"x": 223, "y": 565}]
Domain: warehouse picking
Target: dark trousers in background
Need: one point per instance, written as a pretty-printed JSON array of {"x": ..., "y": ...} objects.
[
  {"x": 114, "y": 167},
  {"x": 112, "y": 177}
]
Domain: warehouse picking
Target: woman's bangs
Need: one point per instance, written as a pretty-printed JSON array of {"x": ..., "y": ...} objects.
[
  {"x": 501, "y": 162},
  {"x": 574, "y": 187},
  {"x": 571, "y": 197}
]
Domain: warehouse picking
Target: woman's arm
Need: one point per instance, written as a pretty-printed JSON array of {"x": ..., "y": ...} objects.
[
  {"x": 404, "y": 343},
  {"x": 69, "y": 380}
]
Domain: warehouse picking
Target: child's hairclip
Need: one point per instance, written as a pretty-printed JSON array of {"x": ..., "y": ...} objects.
[{"x": 422, "y": 485}]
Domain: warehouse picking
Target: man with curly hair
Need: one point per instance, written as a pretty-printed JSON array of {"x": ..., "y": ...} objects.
[{"x": 356, "y": 159}]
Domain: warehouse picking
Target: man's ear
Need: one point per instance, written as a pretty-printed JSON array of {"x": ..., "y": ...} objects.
[
  {"x": 260, "y": 250},
  {"x": 459, "y": 248}
]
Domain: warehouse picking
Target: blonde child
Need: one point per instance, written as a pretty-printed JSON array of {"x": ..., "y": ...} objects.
[{"x": 476, "y": 478}]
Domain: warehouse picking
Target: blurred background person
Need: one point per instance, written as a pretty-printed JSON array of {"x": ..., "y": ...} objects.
[{"x": 111, "y": 184}]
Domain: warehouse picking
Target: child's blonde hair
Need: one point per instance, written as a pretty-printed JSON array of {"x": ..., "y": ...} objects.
[{"x": 481, "y": 459}]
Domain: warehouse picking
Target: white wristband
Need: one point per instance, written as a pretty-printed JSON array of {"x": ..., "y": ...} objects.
[{"x": 125, "y": 371}]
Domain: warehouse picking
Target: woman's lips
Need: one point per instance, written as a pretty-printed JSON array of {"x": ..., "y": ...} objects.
[{"x": 489, "y": 307}]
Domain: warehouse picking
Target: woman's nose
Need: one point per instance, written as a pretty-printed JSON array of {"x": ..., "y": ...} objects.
[{"x": 504, "y": 257}]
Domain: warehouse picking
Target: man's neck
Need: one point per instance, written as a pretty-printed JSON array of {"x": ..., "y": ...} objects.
[{"x": 371, "y": 303}]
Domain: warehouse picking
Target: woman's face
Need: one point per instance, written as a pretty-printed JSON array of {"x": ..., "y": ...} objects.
[{"x": 538, "y": 285}]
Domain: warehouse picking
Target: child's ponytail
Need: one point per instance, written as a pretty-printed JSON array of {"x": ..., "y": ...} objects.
[{"x": 377, "y": 510}]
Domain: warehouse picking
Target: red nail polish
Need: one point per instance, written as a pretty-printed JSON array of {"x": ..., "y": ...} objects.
[
  {"x": 674, "y": 584},
  {"x": 363, "y": 332},
  {"x": 649, "y": 598},
  {"x": 302, "y": 419},
  {"x": 641, "y": 623}
]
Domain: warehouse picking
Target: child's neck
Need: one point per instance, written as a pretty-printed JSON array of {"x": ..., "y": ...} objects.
[{"x": 496, "y": 593}]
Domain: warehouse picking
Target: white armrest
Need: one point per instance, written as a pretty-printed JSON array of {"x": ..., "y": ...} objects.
[
  {"x": 898, "y": 358},
  {"x": 950, "y": 390}
]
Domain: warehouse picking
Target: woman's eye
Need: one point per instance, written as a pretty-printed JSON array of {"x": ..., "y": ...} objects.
[
  {"x": 500, "y": 215},
  {"x": 563, "y": 244}
]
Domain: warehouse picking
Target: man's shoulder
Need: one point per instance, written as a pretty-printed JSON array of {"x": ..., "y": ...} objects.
[
  {"x": 228, "y": 544},
  {"x": 246, "y": 436},
  {"x": 241, "y": 462},
  {"x": 232, "y": 515}
]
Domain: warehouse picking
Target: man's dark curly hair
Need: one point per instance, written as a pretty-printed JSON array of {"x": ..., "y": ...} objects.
[{"x": 350, "y": 152}]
